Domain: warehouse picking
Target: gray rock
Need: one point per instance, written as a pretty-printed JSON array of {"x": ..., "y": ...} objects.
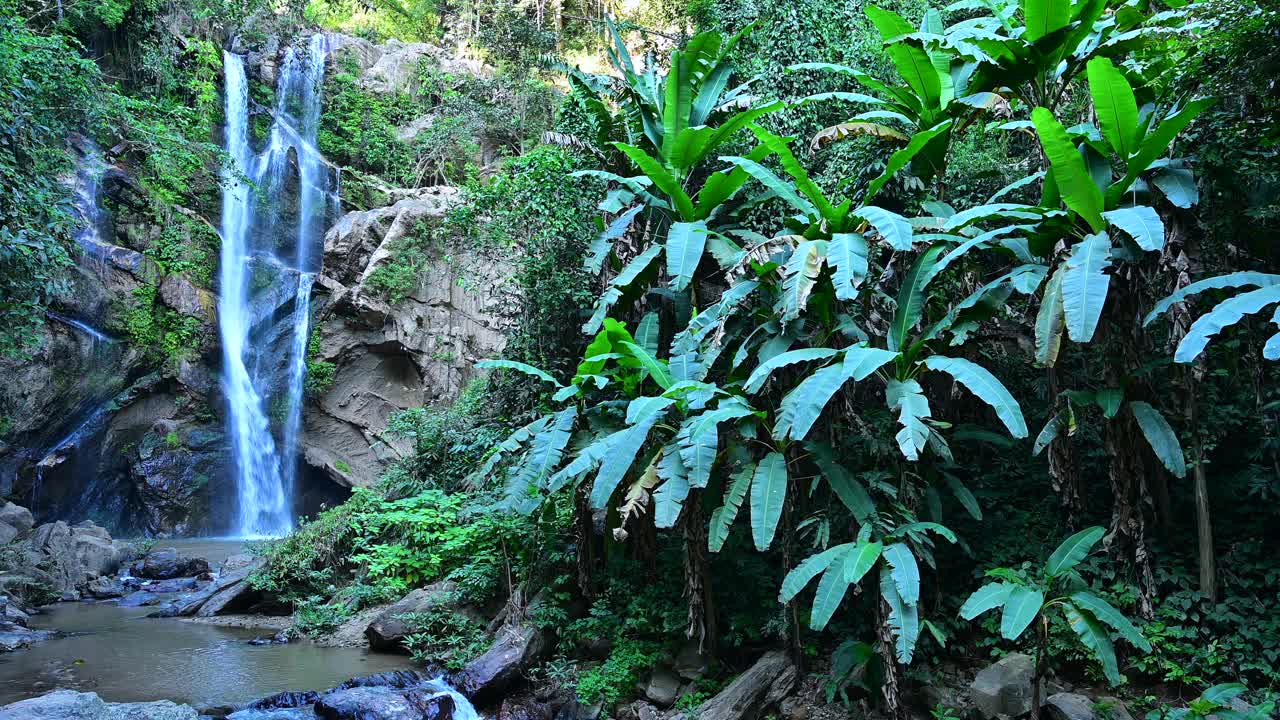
[
  {"x": 14, "y": 636},
  {"x": 517, "y": 647},
  {"x": 306, "y": 713},
  {"x": 764, "y": 685},
  {"x": 387, "y": 631},
  {"x": 1074, "y": 706},
  {"x": 663, "y": 687},
  {"x": 366, "y": 703},
  {"x": 17, "y": 517},
  {"x": 72, "y": 705},
  {"x": 225, "y": 591},
  {"x": 1003, "y": 689},
  {"x": 166, "y": 564},
  {"x": 691, "y": 663},
  {"x": 140, "y": 598},
  {"x": 178, "y": 292}
]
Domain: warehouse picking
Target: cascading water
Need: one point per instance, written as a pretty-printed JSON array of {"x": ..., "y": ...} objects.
[{"x": 254, "y": 239}]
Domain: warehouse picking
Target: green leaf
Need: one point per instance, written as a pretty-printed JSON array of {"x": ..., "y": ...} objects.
[
  {"x": 647, "y": 333},
  {"x": 904, "y": 618},
  {"x": 722, "y": 517},
  {"x": 699, "y": 440},
  {"x": 518, "y": 367},
  {"x": 1048, "y": 434},
  {"x": 846, "y": 487},
  {"x": 801, "y": 271},
  {"x": 913, "y": 407},
  {"x": 1226, "y": 314},
  {"x": 831, "y": 590},
  {"x": 1072, "y": 551},
  {"x": 657, "y": 368},
  {"x": 1093, "y": 637},
  {"x": 661, "y": 177},
  {"x": 1044, "y": 17},
  {"x": 847, "y": 256},
  {"x": 1103, "y": 611},
  {"x": 808, "y": 569},
  {"x": 1085, "y": 285},
  {"x": 623, "y": 445},
  {"x": 603, "y": 244},
  {"x": 963, "y": 495},
  {"x": 768, "y": 495},
  {"x": 802, "y": 407},
  {"x": 1155, "y": 144},
  {"x": 1075, "y": 184},
  {"x": 668, "y": 499},
  {"x": 685, "y": 242},
  {"x": 899, "y": 159},
  {"x": 1020, "y": 609},
  {"x": 1115, "y": 105},
  {"x": 911, "y": 296},
  {"x": 1178, "y": 186},
  {"x": 781, "y": 188},
  {"x": 1050, "y": 320},
  {"x": 895, "y": 229},
  {"x": 988, "y": 389},
  {"x": 1109, "y": 400},
  {"x": 764, "y": 369},
  {"x": 1141, "y": 223},
  {"x": 799, "y": 175},
  {"x": 987, "y": 597},
  {"x": 1232, "y": 280},
  {"x": 906, "y": 573},
  {"x": 861, "y": 560},
  {"x": 1161, "y": 437}
]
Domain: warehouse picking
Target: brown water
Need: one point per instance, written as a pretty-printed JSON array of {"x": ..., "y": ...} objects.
[{"x": 126, "y": 657}]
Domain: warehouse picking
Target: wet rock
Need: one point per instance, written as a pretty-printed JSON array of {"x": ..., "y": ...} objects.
[
  {"x": 227, "y": 593},
  {"x": 516, "y": 648},
  {"x": 399, "y": 679},
  {"x": 1074, "y": 706},
  {"x": 141, "y": 598},
  {"x": 15, "y": 521},
  {"x": 106, "y": 588},
  {"x": 663, "y": 687},
  {"x": 72, "y": 705},
  {"x": 166, "y": 564},
  {"x": 280, "y": 638},
  {"x": 74, "y": 555},
  {"x": 387, "y": 631},
  {"x": 178, "y": 292},
  {"x": 366, "y": 703},
  {"x": 431, "y": 705},
  {"x": 691, "y": 663},
  {"x": 523, "y": 708},
  {"x": 299, "y": 713},
  {"x": 285, "y": 700},
  {"x": 764, "y": 685},
  {"x": 175, "y": 585},
  {"x": 15, "y": 637},
  {"x": 1003, "y": 689}
]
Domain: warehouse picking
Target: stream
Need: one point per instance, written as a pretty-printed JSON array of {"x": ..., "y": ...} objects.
[{"x": 124, "y": 656}]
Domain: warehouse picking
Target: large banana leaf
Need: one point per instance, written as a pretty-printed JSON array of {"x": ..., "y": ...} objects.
[
  {"x": 801, "y": 276},
  {"x": 808, "y": 569},
  {"x": 904, "y": 571},
  {"x": 847, "y": 256},
  {"x": 1049, "y": 321},
  {"x": 1044, "y": 17},
  {"x": 761, "y": 374},
  {"x": 1115, "y": 105},
  {"x": 802, "y": 407},
  {"x": 623, "y": 445},
  {"x": 987, "y": 597},
  {"x": 768, "y": 495},
  {"x": 1094, "y": 637},
  {"x": 1142, "y": 223},
  {"x": 831, "y": 590},
  {"x": 661, "y": 177},
  {"x": 861, "y": 559},
  {"x": 1073, "y": 181},
  {"x": 1227, "y": 313},
  {"x": 1241, "y": 279},
  {"x": 685, "y": 243},
  {"x": 913, "y": 407},
  {"x": 988, "y": 389},
  {"x": 603, "y": 243},
  {"x": 902, "y": 157},
  {"x": 525, "y": 368},
  {"x": 846, "y": 487},
  {"x": 912, "y": 297},
  {"x": 1020, "y": 609},
  {"x": 1072, "y": 551},
  {"x": 699, "y": 440},
  {"x": 1102, "y": 610},
  {"x": 722, "y": 517},
  {"x": 895, "y": 229},
  {"x": 1155, "y": 144},
  {"x": 669, "y": 498},
  {"x": 904, "y": 618},
  {"x": 1161, "y": 437},
  {"x": 1085, "y": 285}
]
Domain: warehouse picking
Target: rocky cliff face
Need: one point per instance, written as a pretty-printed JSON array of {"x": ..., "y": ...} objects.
[
  {"x": 118, "y": 416},
  {"x": 392, "y": 355}
]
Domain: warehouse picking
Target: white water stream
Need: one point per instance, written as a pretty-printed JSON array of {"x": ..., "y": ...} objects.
[{"x": 265, "y": 472}]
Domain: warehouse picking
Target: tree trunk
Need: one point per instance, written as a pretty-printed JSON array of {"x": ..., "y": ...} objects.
[
  {"x": 584, "y": 536},
  {"x": 697, "y": 577},
  {"x": 894, "y": 707},
  {"x": 1042, "y": 666},
  {"x": 1204, "y": 524}
]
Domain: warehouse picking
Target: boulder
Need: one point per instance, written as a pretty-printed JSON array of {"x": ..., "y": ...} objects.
[
  {"x": 1074, "y": 706},
  {"x": 141, "y": 598},
  {"x": 72, "y": 556},
  {"x": 1003, "y": 689},
  {"x": 431, "y": 705},
  {"x": 523, "y": 708},
  {"x": 299, "y": 713},
  {"x": 387, "y": 631},
  {"x": 764, "y": 685},
  {"x": 286, "y": 699},
  {"x": 366, "y": 703},
  {"x": 178, "y": 292},
  {"x": 15, "y": 636},
  {"x": 72, "y": 705},
  {"x": 517, "y": 647},
  {"x": 17, "y": 517},
  {"x": 663, "y": 687},
  {"x": 229, "y": 590},
  {"x": 106, "y": 588},
  {"x": 165, "y": 564}
]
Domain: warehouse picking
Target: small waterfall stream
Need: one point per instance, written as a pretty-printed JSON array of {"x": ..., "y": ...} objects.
[{"x": 257, "y": 239}]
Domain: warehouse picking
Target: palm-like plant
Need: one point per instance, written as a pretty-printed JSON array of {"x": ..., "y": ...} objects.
[{"x": 1026, "y": 602}]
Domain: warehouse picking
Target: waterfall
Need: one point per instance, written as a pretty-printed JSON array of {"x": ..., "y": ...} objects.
[{"x": 255, "y": 236}]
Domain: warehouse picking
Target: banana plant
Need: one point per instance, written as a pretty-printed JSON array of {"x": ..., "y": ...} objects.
[
  {"x": 936, "y": 101},
  {"x": 1101, "y": 175},
  {"x": 890, "y": 550},
  {"x": 1025, "y": 602}
]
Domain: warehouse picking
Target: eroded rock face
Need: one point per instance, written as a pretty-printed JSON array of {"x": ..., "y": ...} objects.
[
  {"x": 764, "y": 685},
  {"x": 391, "y": 67},
  {"x": 387, "y": 631},
  {"x": 73, "y": 556},
  {"x": 516, "y": 648},
  {"x": 389, "y": 356}
]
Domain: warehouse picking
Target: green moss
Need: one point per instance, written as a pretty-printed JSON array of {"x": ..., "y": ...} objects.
[
  {"x": 320, "y": 373},
  {"x": 398, "y": 276},
  {"x": 342, "y": 466}
]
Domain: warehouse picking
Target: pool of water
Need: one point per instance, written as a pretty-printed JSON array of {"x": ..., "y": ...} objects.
[{"x": 124, "y": 656}]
